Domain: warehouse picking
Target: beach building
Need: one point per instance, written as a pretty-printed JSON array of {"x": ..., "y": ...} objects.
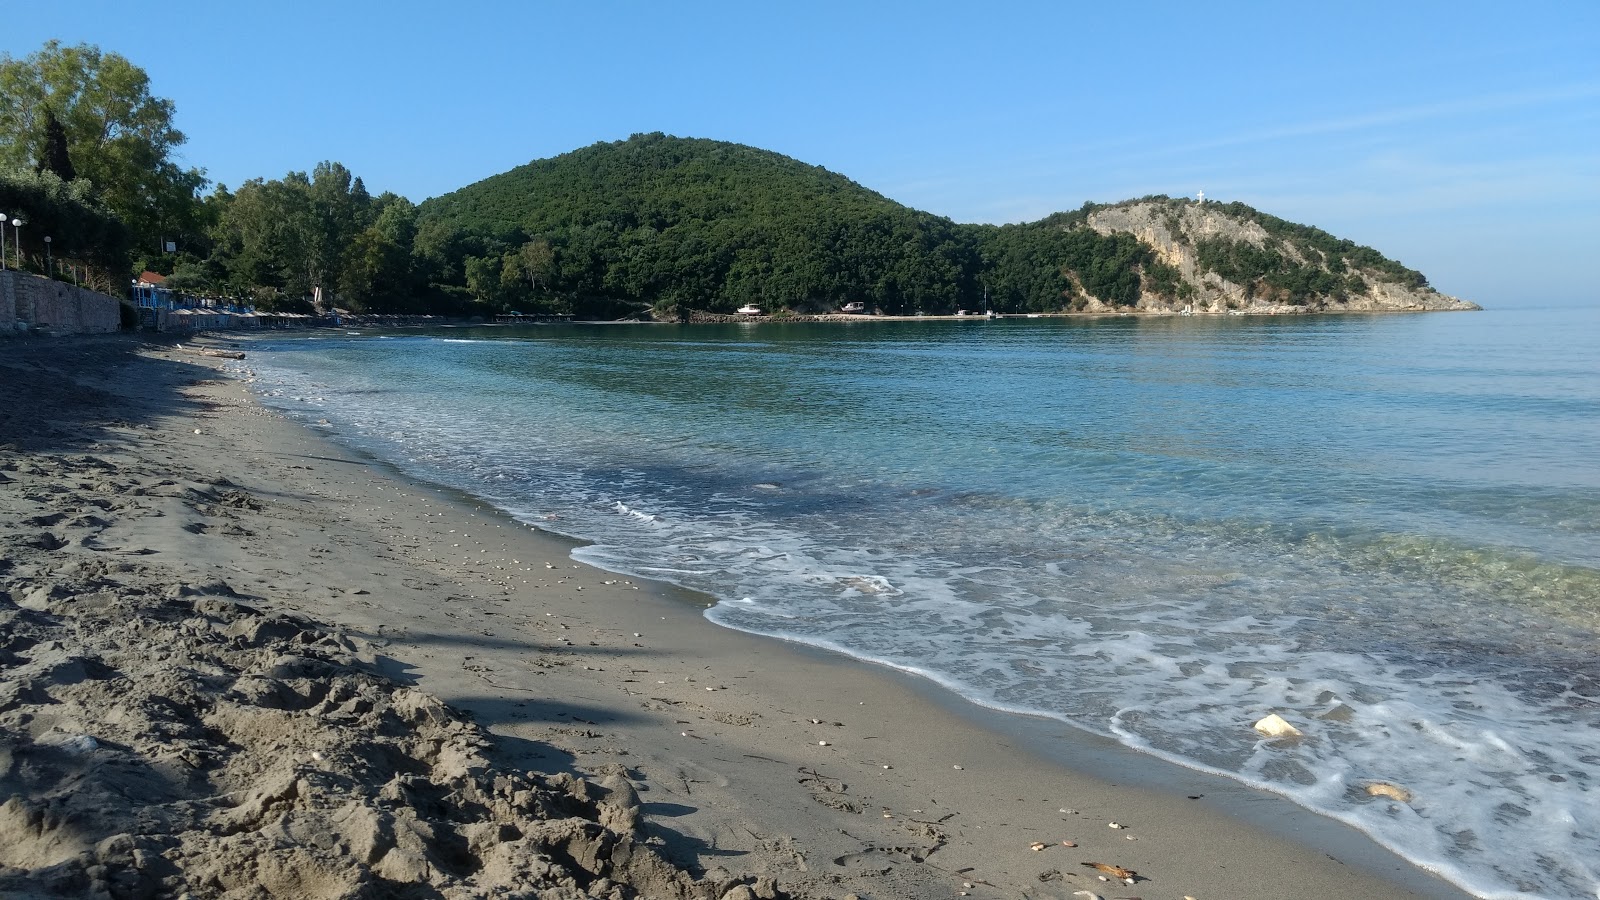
[{"x": 160, "y": 308}]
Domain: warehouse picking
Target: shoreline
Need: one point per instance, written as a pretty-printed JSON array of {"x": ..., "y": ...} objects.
[
  {"x": 851, "y": 318},
  {"x": 728, "y": 738}
]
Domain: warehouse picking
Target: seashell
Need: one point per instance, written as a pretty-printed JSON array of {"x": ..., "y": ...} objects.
[
  {"x": 1087, "y": 895},
  {"x": 1276, "y": 726},
  {"x": 1392, "y": 791},
  {"x": 1036, "y": 846},
  {"x": 1116, "y": 825},
  {"x": 1069, "y": 843}
]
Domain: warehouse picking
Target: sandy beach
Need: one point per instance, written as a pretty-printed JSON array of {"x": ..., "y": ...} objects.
[{"x": 238, "y": 660}]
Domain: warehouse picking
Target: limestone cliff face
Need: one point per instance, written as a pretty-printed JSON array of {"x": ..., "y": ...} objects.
[{"x": 1179, "y": 230}]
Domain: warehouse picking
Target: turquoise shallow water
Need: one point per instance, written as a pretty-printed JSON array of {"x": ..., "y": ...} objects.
[{"x": 1386, "y": 529}]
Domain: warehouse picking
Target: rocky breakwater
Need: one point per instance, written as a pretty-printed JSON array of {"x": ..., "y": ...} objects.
[{"x": 1227, "y": 257}]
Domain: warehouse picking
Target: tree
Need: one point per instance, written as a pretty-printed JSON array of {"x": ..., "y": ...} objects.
[
  {"x": 116, "y": 134},
  {"x": 534, "y": 262},
  {"x": 378, "y": 270},
  {"x": 484, "y": 278},
  {"x": 56, "y": 157}
]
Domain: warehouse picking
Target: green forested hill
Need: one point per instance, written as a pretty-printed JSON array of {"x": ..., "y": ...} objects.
[
  {"x": 695, "y": 223},
  {"x": 675, "y": 224},
  {"x": 654, "y": 223},
  {"x": 666, "y": 225}
]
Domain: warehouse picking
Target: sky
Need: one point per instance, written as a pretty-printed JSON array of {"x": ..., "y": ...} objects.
[{"x": 1461, "y": 138}]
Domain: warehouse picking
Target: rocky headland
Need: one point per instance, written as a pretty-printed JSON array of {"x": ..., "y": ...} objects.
[{"x": 1227, "y": 260}]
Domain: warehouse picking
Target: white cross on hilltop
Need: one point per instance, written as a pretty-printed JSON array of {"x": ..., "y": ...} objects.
[{"x": 1200, "y": 196}]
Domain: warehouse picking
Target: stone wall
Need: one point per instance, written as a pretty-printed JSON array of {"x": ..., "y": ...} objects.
[{"x": 29, "y": 302}]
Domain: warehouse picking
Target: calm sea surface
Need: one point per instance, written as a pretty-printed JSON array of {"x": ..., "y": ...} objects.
[{"x": 1385, "y": 529}]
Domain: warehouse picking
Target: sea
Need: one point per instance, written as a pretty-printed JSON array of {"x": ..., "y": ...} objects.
[{"x": 1385, "y": 529}]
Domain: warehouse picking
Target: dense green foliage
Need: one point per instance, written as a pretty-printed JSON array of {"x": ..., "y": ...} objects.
[
  {"x": 1044, "y": 267},
  {"x": 652, "y": 224},
  {"x": 1254, "y": 267},
  {"x": 84, "y": 114},
  {"x": 278, "y": 241},
  {"x": 674, "y": 223},
  {"x": 1317, "y": 245},
  {"x": 678, "y": 223},
  {"x": 80, "y": 226}
]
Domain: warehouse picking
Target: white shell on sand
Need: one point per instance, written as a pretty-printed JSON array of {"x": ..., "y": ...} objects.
[{"x": 1276, "y": 726}]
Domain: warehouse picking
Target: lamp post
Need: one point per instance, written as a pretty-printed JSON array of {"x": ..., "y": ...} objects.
[
  {"x": 16, "y": 234},
  {"x": 2, "y": 242},
  {"x": 49, "y": 259}
]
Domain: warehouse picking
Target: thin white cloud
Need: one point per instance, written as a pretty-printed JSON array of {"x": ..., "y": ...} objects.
[{"x": 1464, "y": 106}]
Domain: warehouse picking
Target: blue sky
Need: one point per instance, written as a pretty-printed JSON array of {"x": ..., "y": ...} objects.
[{"x": 1461, "y": 138}]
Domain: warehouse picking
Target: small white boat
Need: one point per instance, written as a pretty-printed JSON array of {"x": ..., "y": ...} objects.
[
  {"x": 749, "y": 309},
  {"x": 855, "y": 308}
]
